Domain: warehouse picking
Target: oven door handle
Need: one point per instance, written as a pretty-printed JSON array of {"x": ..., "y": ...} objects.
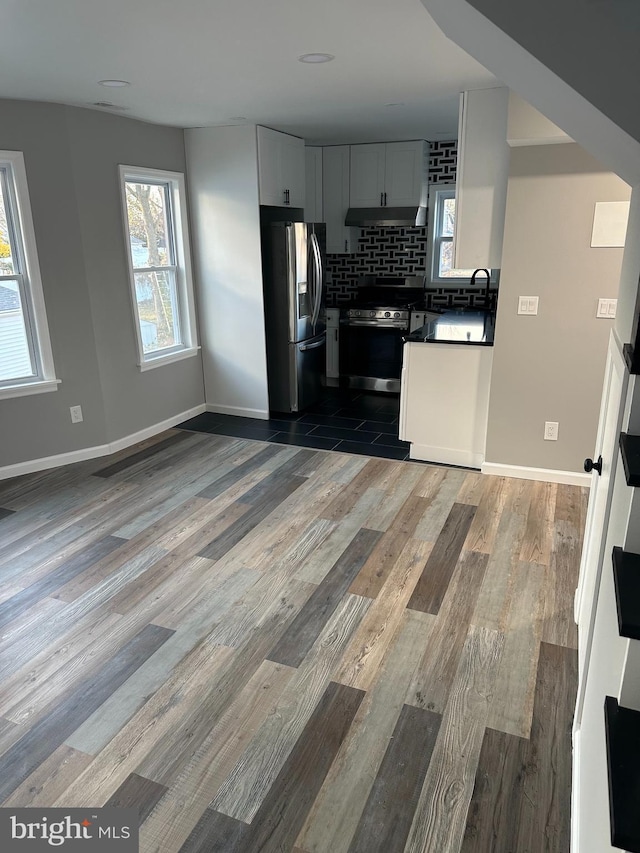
[{"x": 376, "y": 324}]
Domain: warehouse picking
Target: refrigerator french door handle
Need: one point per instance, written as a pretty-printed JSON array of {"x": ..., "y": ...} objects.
[
  {"x": 318, "y": 279},
  {"x": 314, "y": 345}
]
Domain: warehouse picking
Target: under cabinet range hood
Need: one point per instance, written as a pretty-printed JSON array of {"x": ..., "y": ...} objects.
[{"x": 381, "y": 216}]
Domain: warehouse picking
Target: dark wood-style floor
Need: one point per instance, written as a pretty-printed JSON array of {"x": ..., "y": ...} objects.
[{"x": 268, "y": 648}]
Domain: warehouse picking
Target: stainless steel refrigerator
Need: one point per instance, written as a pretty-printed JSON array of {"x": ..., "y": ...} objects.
[{"x": 293, "y": 277}]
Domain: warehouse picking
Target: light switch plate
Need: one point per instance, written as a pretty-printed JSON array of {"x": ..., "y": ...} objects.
[
  {"x": 607, "y": 308},
  {"x": 527, "y": 305}
]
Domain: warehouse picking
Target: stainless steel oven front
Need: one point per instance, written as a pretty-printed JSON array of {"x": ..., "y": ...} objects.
[{"x": 371, "y": 349}]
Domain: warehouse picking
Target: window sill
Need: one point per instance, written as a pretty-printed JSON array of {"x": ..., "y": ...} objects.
[
  {"x": 160, "y": 361},
  {"x": 27, "y": 388}
]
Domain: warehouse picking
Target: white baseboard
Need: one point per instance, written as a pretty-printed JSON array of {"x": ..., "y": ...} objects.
[
  {"x": 238, "y": 411},
  {"x": 446, "y": 455},
  {"x": 44, "y": 462},
  {"x": 545, "y": 475}
]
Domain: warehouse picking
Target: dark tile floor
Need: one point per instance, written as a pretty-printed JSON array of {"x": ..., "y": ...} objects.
[{"x": 349, "y": 421}]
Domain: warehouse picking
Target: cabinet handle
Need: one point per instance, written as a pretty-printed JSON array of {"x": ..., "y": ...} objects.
[
  {"x": 385, "y": 199},
  {"x": 336, "y": 331},
  {"x": 286, "y": 196},
  {"x": 346, "y": 245},
  {"x": 381, "y": 194}
]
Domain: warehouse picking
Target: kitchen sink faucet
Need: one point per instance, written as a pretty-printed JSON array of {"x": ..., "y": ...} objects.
[{"x": 487, "y": 295}]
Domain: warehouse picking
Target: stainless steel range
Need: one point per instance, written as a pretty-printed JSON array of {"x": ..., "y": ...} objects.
[{"x": 371, "y": 331}]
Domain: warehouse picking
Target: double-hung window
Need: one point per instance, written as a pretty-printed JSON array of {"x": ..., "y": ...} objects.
[
  {"x": 26, "y": 361},
  {"x": 157, "y": 239},
  {"x": 442, "y": 213}
]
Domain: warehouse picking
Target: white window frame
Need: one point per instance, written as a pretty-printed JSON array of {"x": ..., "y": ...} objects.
[
  {"x": 178, "y": 226},
  {"x": 437, "y": 194},
  {"x": 27, "y": 274}
]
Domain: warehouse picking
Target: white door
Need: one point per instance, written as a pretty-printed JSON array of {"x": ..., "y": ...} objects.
[
  {"x": 270, "y": 167},
  {"x": 367, "y": 175},
  {"x": 609, "y": 426},
  {"x": 292, "y": 169},
  {"x": 404, "y": 162}
]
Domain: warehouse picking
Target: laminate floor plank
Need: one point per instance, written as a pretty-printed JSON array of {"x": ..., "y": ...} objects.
[
  {"x": 492, "y": 822},
  {"x": 538, "y": 535},
  {"x": 335, "y": 814},
  {"x": 434, "y": 582},
  {"x": 136, "y": 671},
  {"x": 435, "y": 673},
  {"x": 374, "y": 573},
  {"x": 309, "y": 623},
  {"x": 136, "y": 792},
  {"x": 361, "y": 660},
  {"x": 283, "y": 811},
  {"x": 562, "y": 581},
  {"x": 187, "y": 800},
  {"x": 440, "y": 815},
  {"x": 317, "y": 564},
  {"x": 50, "y": 732},
  {"x": 245, "y": 788},
  {"x": 388, "y": 814},
  {"x": 49, "y": 779},
  {"x": 543, "y": 820},
  {"x": 511, "y": 708}
]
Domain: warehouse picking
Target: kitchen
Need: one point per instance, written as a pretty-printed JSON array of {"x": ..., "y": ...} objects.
[{"x": 352, "y": 255}]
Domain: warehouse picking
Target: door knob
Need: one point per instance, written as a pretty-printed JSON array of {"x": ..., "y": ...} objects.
[{"x": 590, "y": 465}]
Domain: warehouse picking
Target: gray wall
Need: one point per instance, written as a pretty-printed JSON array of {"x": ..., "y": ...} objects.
[
  {"x": 550, "y": 367},
  {"x": 71, "y": 158}
]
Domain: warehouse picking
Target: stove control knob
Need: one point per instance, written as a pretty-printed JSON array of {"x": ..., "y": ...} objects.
[
  {"x": 356, "y": 313},
  {"x": 387, "y": 313},
  {"x": 397, "y": 314},
  {"x": 372, "y": 313}
]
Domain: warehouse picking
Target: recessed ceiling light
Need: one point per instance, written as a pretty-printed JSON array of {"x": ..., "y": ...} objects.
[
  {"x": 396, "y": 104},
  {"x": 316, "y": 57},
  {"x": 114, "y": 84}
]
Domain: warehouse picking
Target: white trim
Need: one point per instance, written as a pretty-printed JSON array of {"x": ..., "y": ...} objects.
[
  {"x": 160, "y": 361},
  {"x": 539, "y": 140},
  {"x": 42, "y": 387},
  {"x": 184, "y": 273},
  {"x": 15, "y": 161},
  {"x": 544, "y": 475},
  {"x": 239, "y": 411},
  {"x": 44, "y": 462},
  {"x": 446, "y": 455},
  {"x": 576, "y": 793}
]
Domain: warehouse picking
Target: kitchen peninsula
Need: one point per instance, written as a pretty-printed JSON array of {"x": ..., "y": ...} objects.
[{"x": 444, "y": 392}]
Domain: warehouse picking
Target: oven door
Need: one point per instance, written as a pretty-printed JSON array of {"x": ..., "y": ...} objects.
[{"x": 371, "y": 356}]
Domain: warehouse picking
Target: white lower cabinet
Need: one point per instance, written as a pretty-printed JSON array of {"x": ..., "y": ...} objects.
[
  {"x": 444, "y": 402},
  {"x": 333, "y": 351}
]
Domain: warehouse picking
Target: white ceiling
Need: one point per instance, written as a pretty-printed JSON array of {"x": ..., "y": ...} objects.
[{"x": 198, "y": 63}]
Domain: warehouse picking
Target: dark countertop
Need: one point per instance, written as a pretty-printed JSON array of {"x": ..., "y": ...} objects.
[{"x": 456, "y": 326}]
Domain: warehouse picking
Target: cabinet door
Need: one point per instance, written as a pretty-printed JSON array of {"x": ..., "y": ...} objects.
[
  {"x": 333, "y": 352},
  {"x": 313, "y": 185},
  {"x": 482, "y": 174},
  {"x": 405, "y": 173},
  {"x": 335, "y": 200},
  {"x": 367, "y": 175},
  {"x": 292, "y": 169},
  {"x": 270, "y": 167}
]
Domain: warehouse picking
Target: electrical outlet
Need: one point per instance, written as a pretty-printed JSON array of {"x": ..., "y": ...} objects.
[
  {"x": 551, "y": 430},
  {"x": 76, "y": 414},
  {"x": 527, "y": 305}
]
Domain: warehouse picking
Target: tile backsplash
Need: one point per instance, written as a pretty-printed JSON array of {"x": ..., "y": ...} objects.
[{"x": 394, "y": 251}]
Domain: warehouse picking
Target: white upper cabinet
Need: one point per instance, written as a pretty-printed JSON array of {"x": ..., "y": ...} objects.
[
  {"x": 281, "y": 168},
  {"x": 335, "y": 200},
  {"x": 367, "y": 175},
  {"x": 313, "y": 184},
  {"x": 391, "y": 174},
  {"x": 482, "y": 175}
]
